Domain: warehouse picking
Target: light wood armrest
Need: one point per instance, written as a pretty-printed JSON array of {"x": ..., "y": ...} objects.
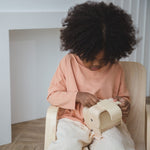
[
  {"x": 50, "y": 125},
  {"x": 147, "y": 127}
]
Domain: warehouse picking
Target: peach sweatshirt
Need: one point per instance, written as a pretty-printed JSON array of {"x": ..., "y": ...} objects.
[{"x": 72, "y": 76}]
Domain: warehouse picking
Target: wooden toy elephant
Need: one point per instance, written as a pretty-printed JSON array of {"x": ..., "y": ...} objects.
[{"x": 102, "y": 116}]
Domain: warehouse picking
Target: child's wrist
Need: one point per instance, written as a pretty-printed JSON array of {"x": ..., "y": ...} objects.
[{"x": 78, "y": 97}]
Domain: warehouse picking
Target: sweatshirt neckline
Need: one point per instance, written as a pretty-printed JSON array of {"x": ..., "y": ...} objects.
[{"x": 80, "y": 62}]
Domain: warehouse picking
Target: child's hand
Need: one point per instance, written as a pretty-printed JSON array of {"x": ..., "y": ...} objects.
[
  {"x": 86, "y": 99},
  {"x": 125, "y": 107}
]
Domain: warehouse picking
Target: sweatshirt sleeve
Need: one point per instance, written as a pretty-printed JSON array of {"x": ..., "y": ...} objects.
[
  {"x": 123, "y": 91},
  {"x": 57, "y": 91}
]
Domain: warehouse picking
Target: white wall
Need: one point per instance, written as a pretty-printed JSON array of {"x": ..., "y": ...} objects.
[
  {"x": 37, "y": 5},
  {"x": 34, "y": 56},
  {"x": 9, "y": 21}
]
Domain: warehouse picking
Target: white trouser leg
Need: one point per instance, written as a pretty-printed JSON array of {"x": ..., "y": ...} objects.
[
  {"x": 71, "y": 135},
  {"x": 116, "y": 138}
]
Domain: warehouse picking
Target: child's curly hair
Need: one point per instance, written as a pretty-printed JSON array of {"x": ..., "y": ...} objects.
[{"x": 91, "y": 27}]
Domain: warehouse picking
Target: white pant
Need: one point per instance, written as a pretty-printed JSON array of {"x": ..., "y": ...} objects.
[{"x": 73, "y": 135}]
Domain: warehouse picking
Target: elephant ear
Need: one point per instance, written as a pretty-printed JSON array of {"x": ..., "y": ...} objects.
[{"x": 112, "y": 115}]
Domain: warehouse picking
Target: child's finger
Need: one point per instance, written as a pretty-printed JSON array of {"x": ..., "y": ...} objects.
[
  {"x": 127, "y": 107},
  {"x": 126, "y": 113},
  {"x": 124, "y": 104},
  {"x": 94, "y": 99},
  {"x": 88, "y": 105},
  {"x": 92, "y": 102}
]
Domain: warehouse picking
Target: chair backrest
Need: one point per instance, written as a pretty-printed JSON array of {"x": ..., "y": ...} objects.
[{"x": 135, "y": 77}]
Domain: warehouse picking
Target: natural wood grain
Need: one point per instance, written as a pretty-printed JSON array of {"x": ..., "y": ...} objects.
[
  {"x": 50, "y": 126},
  {"x": 27, "y": 136},
  {"x": 135, "y": 76}
]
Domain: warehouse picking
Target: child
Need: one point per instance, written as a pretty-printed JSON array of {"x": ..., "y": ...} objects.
[{"x": 96, "y": 35}]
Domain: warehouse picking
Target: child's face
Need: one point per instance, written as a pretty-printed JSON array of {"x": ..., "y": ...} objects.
[{"x": 97, "y": 63}]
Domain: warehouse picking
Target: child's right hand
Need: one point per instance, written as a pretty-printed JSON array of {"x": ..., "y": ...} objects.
[{"x": 86, "y": 99}]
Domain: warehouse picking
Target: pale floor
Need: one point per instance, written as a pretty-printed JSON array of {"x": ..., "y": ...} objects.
[{"x": 27, "y": 136}]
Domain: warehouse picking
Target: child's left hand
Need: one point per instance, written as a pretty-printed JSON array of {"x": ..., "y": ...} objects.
[{"x": 125, "y": 107}]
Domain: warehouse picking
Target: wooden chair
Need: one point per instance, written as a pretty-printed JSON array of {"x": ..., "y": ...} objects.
[{"x": 139, "y": 117}]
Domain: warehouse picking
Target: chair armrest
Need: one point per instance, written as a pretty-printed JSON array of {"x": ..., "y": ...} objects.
[
  {"x": 50, "y": 125},
  {"x": 147, "y": 126}
]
